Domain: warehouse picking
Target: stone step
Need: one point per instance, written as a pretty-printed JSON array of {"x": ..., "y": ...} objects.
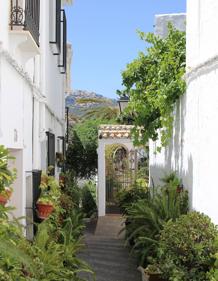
[
  {"x": 106, "y": 253},
  {"x": 116, "y": 260},
  {"x": 111, "y": 273},
  {"x": 107, "y": 244}
]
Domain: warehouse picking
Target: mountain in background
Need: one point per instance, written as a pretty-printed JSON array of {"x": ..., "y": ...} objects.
[{"x": 79, "y": 109}]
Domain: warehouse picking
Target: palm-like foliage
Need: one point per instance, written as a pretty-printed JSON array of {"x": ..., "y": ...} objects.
[
  {"x": 52, "y": 256},
  {"x": 147, "y": 217}
]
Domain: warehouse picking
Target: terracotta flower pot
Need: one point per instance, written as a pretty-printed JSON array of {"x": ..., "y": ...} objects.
[{"x": 44, "y": 210}]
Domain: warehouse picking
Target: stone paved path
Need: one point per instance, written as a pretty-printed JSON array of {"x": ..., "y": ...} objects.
[{"x": 106, "y": 253}]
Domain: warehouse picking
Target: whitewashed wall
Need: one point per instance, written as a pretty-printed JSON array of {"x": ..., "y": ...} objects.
[
  {"x": 169, "y": 159},
  {"x": 193, "y": 149},
  {"x": 31, "y": 99}
]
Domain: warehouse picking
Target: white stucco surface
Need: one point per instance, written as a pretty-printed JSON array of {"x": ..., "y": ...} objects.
[
  {"x": 192, "y": 151},
  {"x": 31, "y": 98}
]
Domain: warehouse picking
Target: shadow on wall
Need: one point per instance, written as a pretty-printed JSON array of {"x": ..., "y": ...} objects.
[
  {"x": 185, "y": 175},
  {"x": 174, "y": 153},
  {"x": 174, "y": 157}
]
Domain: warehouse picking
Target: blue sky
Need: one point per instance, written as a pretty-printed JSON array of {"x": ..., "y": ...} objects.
[{"x": 104, "y": 39}]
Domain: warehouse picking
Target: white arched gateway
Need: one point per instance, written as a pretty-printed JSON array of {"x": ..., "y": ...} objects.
[{"x": 110, "y": 135}]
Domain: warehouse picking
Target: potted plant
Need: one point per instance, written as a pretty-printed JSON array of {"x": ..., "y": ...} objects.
[
  {"x": 7, "y": 176},
  {"x": 49, "y": 196},
  {"x": 150, "y": 273}
]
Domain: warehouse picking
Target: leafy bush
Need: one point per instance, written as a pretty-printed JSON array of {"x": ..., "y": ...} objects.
[
  {"x": 82, "y": 154},
  {"x": 71, "y": 188},
  {"x": 89, "y": 206},
  {"x": 50, "y": 190},
  {"x": 186, "y": 246},
  {"x": 128, "y": 196},
  {"x": 146, "y": 217},
  {"x": 213, "y": 273},
  {"x": 52, "y": 255},
  {"x": 70, "y": 197},
  {"x": 154, "y": 82}
]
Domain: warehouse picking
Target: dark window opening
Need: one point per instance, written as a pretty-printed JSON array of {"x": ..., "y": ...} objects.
[
  {"x": 57, "y": 27},
  {"x": 63, "y": 54},
  {"x": 51, "y": 153}
]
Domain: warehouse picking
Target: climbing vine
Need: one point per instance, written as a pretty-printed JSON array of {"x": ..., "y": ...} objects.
[{"x": 154, "y": 82}]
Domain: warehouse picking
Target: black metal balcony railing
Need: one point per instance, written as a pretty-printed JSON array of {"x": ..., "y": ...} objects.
[{"x": 26, "y": 16}]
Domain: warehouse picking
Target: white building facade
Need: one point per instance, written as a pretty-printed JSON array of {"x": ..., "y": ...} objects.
[
  {"x": 193, "y": 149},
  {"x": 32, "y": 101}
]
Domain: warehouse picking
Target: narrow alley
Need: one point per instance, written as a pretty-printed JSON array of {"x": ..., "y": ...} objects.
[{"x": 106, "y": 253}]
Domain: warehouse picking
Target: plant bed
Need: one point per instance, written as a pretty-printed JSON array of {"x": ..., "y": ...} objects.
[{"x": 44, "y": 210}]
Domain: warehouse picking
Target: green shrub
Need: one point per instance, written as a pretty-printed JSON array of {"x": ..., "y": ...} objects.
[
  {"x": 127, "y": 197},
  {"x": 213, "y": 273},
  {"x": 146, "y": 217},
  {"x": 52, "y": 256},
  {"x": 72, "y": 189},
  {"x": 186, "y": 246},
  {"x": 89, "y": 206}
]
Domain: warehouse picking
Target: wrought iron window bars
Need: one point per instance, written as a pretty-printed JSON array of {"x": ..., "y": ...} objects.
[{"x": 27, "y": 15}]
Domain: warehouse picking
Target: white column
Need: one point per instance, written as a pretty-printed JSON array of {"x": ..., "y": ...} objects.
[{"x": 101, "y": 180}]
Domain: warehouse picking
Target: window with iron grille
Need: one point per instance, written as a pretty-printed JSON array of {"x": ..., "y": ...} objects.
[{"x": 25, "y": 14}]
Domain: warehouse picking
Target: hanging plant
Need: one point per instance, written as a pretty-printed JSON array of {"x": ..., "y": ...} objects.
[{"x": 154, "y": 82}]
